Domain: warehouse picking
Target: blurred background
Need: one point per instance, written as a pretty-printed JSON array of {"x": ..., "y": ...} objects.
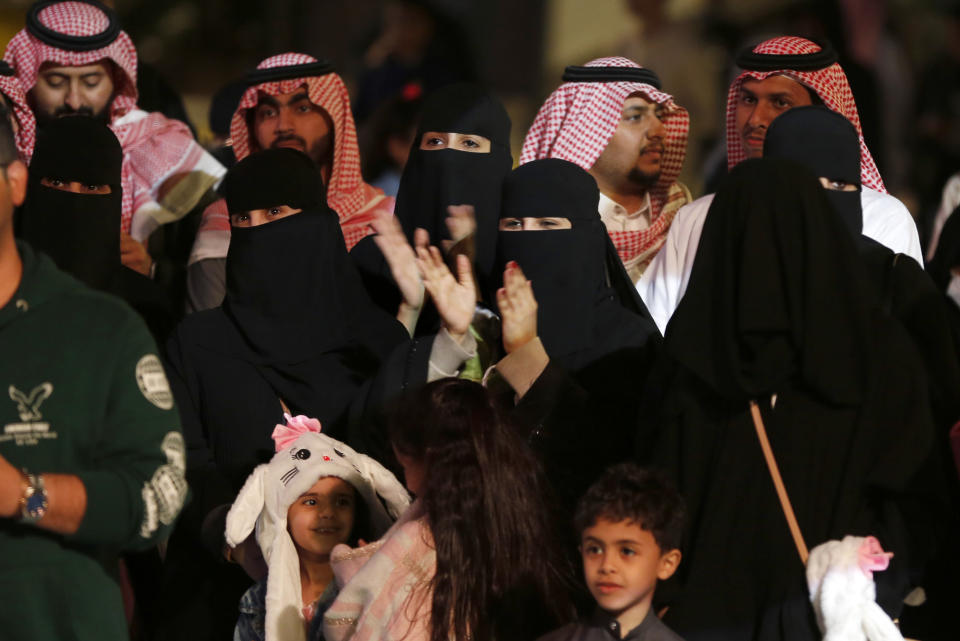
[{"x": 902, "y": 58}]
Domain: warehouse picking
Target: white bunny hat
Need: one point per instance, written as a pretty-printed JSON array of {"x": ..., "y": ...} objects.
[{"x": 303, "y": 456}]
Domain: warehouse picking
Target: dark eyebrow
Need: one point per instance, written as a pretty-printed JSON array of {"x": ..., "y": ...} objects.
[
  {"x": 639, "y": 108},
  {"x": 744, "y": 90},
  {"x": 268, "y": 100},
  {"x": 300, "y": 97}
]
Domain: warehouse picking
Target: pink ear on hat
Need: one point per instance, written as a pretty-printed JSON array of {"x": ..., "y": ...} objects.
[{"x": 297, "y": 426}]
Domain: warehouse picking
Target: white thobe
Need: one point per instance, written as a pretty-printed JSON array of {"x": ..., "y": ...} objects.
[{"x": 885, "y": 220}]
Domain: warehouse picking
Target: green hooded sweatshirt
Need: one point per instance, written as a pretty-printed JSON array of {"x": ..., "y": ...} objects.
[{"x": 82, "y": 391}]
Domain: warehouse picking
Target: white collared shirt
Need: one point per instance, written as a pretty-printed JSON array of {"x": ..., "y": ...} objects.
[{"x": 616, "y": 218}]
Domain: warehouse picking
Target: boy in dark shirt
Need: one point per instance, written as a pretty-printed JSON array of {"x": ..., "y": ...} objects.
[{"x": 630, "y": 523}]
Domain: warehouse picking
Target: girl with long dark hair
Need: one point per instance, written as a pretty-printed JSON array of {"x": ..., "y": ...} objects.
[{"x": 474, "y": 557}]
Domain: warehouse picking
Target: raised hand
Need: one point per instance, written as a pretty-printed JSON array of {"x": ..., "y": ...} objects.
[
  {"x": 461, "y": 222},
  {"x": 518, "y": 309},
  {"x": 455, "y": 299},
  {"x": 399, "y": 255}
]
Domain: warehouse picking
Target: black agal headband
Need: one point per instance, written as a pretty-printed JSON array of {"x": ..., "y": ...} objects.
[
  {"x": 60, "y": 40},
  {"x": 751, "y": 61},
  {"x": 611, "y": 74},
  {"x": 6, "y": 69},
  {"x": 306, "y": 70}
]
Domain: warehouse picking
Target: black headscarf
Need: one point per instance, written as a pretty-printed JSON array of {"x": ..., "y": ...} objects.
[
  {"x": 827, "y": 144},
  {"x": 432, "y": 180},
  {"x": 292, "y": 292},
  {"x": 587, "y": 307},
  {"x": 777, "y": 291},
  {"x": 291, "y": 288},
  {"x": 81, "y": 232}
]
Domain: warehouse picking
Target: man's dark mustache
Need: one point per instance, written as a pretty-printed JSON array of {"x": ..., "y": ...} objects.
[
  {"x": 282, "y": 139},
  {"x": 67, "y": 110}
]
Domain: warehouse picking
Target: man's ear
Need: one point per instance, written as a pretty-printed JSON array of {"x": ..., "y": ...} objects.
[
  {"x": 17, "y": 181},
  {"x": 668, "y": 564}
]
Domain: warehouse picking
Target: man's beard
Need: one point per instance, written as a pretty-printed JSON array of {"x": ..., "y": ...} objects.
[
  {"x": 642, "y": 179},
  {"x": 321, "y": 152},
  {"x": 63, "y": 111}
]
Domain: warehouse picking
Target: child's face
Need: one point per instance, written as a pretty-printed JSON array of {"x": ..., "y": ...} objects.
[
  {"x": 323, "y": 516},
  {"x": 621, "y": 563}
]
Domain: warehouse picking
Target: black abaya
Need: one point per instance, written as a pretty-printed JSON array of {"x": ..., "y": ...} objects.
[
  {"x": 779, "y": 310},
  {"x": 295, "y": 327}
]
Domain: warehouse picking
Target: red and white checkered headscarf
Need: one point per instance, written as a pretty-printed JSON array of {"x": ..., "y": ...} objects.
[
  {"x": 154, "y": 147},
  {"x": 27, "y": 53},
  {"x": 577, "y": 122},
  {"x": 830, "y": 84},
  {"x": 27, "y": 135},
  {"x": 355, "y": 201}
]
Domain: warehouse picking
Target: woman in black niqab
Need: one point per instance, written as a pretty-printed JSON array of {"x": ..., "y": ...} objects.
[
  {"x": 434, "y": 179},
  {"x": 81, "y": 231},
  {"x": 587, "y": 309},
  {"x": 827, "y": 144},
  {"x": 595, "y": 330},
  {"x": 779, "y": 311},
  {"x": 296, "y": 329}
]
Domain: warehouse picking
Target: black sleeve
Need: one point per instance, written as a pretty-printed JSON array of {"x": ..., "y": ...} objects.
[{"x": 403, "y": 371}]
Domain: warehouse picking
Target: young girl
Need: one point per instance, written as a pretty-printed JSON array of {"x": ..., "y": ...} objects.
[
  {"x": 314, "y": 494},
  {"x": 474, "y": 557}
]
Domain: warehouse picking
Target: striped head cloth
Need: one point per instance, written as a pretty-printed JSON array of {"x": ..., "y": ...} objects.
[
  {"x": 347, "y": 193},
  {"x": 577, "y": 122},
  {"x": 815, "y": 67}
]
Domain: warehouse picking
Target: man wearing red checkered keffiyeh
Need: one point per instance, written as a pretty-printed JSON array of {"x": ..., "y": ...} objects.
[
  {"x": 73, "y": 58},
  {"x": 779, "y": 74},
  {"x": 611, "y": 118},
  {"x": 296, "y": 101},
  {"x": 24, "y": 125}
]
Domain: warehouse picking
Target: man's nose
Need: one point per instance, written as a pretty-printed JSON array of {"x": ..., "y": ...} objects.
[
  {"x": 657, "y": 130},
  {"x": 74, "y": 100},
  {"x": 284, "y": 119},
  {"x": 762, "y": 115}
]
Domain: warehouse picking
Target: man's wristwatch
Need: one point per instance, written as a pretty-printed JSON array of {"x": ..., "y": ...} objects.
[{"x": 33, "y": 503}]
